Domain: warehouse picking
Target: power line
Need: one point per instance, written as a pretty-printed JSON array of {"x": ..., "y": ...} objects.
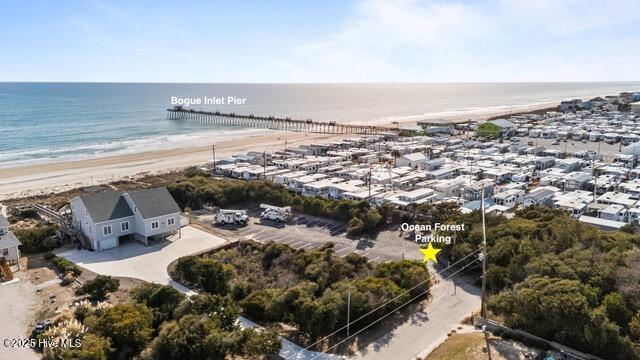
[
  {"x": 395, "y": 298},
  {"x": 391, "y": 312}
]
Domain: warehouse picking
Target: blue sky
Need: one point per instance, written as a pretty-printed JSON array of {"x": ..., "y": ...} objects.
[{"x": 319, "y": 41}]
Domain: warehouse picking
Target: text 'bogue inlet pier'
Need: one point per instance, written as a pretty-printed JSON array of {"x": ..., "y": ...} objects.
[{"x": 274, "y": 123}]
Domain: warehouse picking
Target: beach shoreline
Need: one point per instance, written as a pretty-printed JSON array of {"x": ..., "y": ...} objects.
[{"x": 54, "y": 177}]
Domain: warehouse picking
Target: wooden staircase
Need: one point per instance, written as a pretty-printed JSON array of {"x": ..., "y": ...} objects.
[
  {"x": 5, "y": 271},
  {"x": 65, "y": 226}
]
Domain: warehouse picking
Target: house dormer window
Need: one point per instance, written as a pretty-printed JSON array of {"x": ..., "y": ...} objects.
[
  {"x": 171, "y": 221},
  {"x": 155, "y": 225},
  {"x": 106, "y": 230},
  {"x": 124, "y": 226}
]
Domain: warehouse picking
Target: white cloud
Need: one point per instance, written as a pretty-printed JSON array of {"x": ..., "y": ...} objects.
[
  {"x": 502, "y": 40},
  {"x": 566, "y": 17}
]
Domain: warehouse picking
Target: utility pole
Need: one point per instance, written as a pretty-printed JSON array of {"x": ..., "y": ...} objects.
[
  {"x": 595, "y": 176},
  {"x": 486, "y": 339},
  {"x": 213, "y": 150},
  {"x": 348, "y": 311},
  {"x": 369, "y": 181},
  {"x": 264, "y": 165},
  {"x": 483, "y": 310}
]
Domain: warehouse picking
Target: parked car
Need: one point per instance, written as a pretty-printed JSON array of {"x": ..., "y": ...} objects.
[{"x": 42, "y": 326}]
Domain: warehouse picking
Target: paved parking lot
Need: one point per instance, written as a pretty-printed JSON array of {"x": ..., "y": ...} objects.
[{"x": 307, "y": 232}]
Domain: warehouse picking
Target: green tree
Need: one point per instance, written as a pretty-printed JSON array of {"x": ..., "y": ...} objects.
[
  {"x": 370, "y": 220},
  {"x": 408, "y": 275},
  {"x": 616, "y": 309},
  {"x": 260, "y": 304},
  {"x": 38, "y": 238},
  {"x": 93, "y": 347},
  {"x": 355, "y": 227},
  {"x": 560, "y": 309},
  {"x": 191, "y": 337},
  {"x": 128, "y": 325},
  {"x": 100, "y": 286},
  {"x": 186, "y": 268},
  {"x": 396, "y": 154},
  {"x": 219, "y": 308},
  {"x": 213, "y": 276},
  {"x": 162, "y": 299},
  {"x": 634, "y": 326},
  {"x": 261, "y": 342}
]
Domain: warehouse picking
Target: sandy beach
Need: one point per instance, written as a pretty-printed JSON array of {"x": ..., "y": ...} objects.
[{"x": 60, "y": 176}]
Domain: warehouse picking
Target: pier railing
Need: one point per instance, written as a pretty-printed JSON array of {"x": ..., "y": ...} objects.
[{"x": 275, "y": 123}]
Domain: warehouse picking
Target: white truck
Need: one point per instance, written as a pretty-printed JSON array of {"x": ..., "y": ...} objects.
[
  {"x": 275, "y": 213},
  {"x": 227, "y": 217}
]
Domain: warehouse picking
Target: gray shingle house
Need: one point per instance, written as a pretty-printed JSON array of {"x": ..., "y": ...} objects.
[
  {"x": 109, "y": 217},
  {"x": 8, "y": 242}
]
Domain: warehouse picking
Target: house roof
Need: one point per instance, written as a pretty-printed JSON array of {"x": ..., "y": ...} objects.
[
  {"x": 4, "y": 222},
  {"x": 502, "y": 123},
  {"x": 9, "y": 240},
  {"x": 105, "y": 206},
  {"x": 154, "y": 202},
  {"x": 415, "y": 156}
]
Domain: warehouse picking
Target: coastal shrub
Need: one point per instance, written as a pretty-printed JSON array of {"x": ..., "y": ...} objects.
[
  {"x": 128, "y": 325},
  {"x": 219, "y": 308},
  {"x": 38, "y": 238},
  {"x": 199, "y": 337},
  {"x": 28, "y": 213},
  {"x": 99, "y": 287},
  {"x": 213, "y": 276},
  {"x": 558, "y": 278},
  {"x": 64, "y": 266},
  {"x": 306, "y": 288},
  {"x": 161, "y": 299},
  {"x": 355, "y": 227},
  {"x": 194, "y": 190}
]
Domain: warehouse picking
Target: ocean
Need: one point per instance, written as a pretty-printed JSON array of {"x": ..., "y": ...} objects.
[{"x": 44, "y": 122}]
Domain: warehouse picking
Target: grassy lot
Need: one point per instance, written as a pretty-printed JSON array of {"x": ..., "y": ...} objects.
[
  {"x": 470, "y": 346},
  {"x": 460, "y": 346}
]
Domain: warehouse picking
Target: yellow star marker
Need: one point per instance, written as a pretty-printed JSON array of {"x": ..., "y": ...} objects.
[{"x": 430, "y": 253}]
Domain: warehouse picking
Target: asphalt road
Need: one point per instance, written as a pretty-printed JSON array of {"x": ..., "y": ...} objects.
[{"x": 419, "y": 335}]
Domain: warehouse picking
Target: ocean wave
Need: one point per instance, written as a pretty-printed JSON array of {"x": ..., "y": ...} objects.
[
  {"x": 120, "y": 147},
  {"x": 474, "y": 110}
]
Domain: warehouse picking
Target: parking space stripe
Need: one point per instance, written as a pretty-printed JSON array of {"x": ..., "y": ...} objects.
[
  {"x": 298, "y": 243},
  {"x": 270, "y": 236},
  {"x": 303, "y": 246},
  {"x": 343, "y": 249}
]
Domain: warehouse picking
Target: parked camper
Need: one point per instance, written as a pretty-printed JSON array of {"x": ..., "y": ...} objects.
[{"x": 227, "y": 217}]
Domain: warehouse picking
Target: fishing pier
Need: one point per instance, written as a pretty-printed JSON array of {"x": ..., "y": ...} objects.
[{"x": 275, "y": 123}]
